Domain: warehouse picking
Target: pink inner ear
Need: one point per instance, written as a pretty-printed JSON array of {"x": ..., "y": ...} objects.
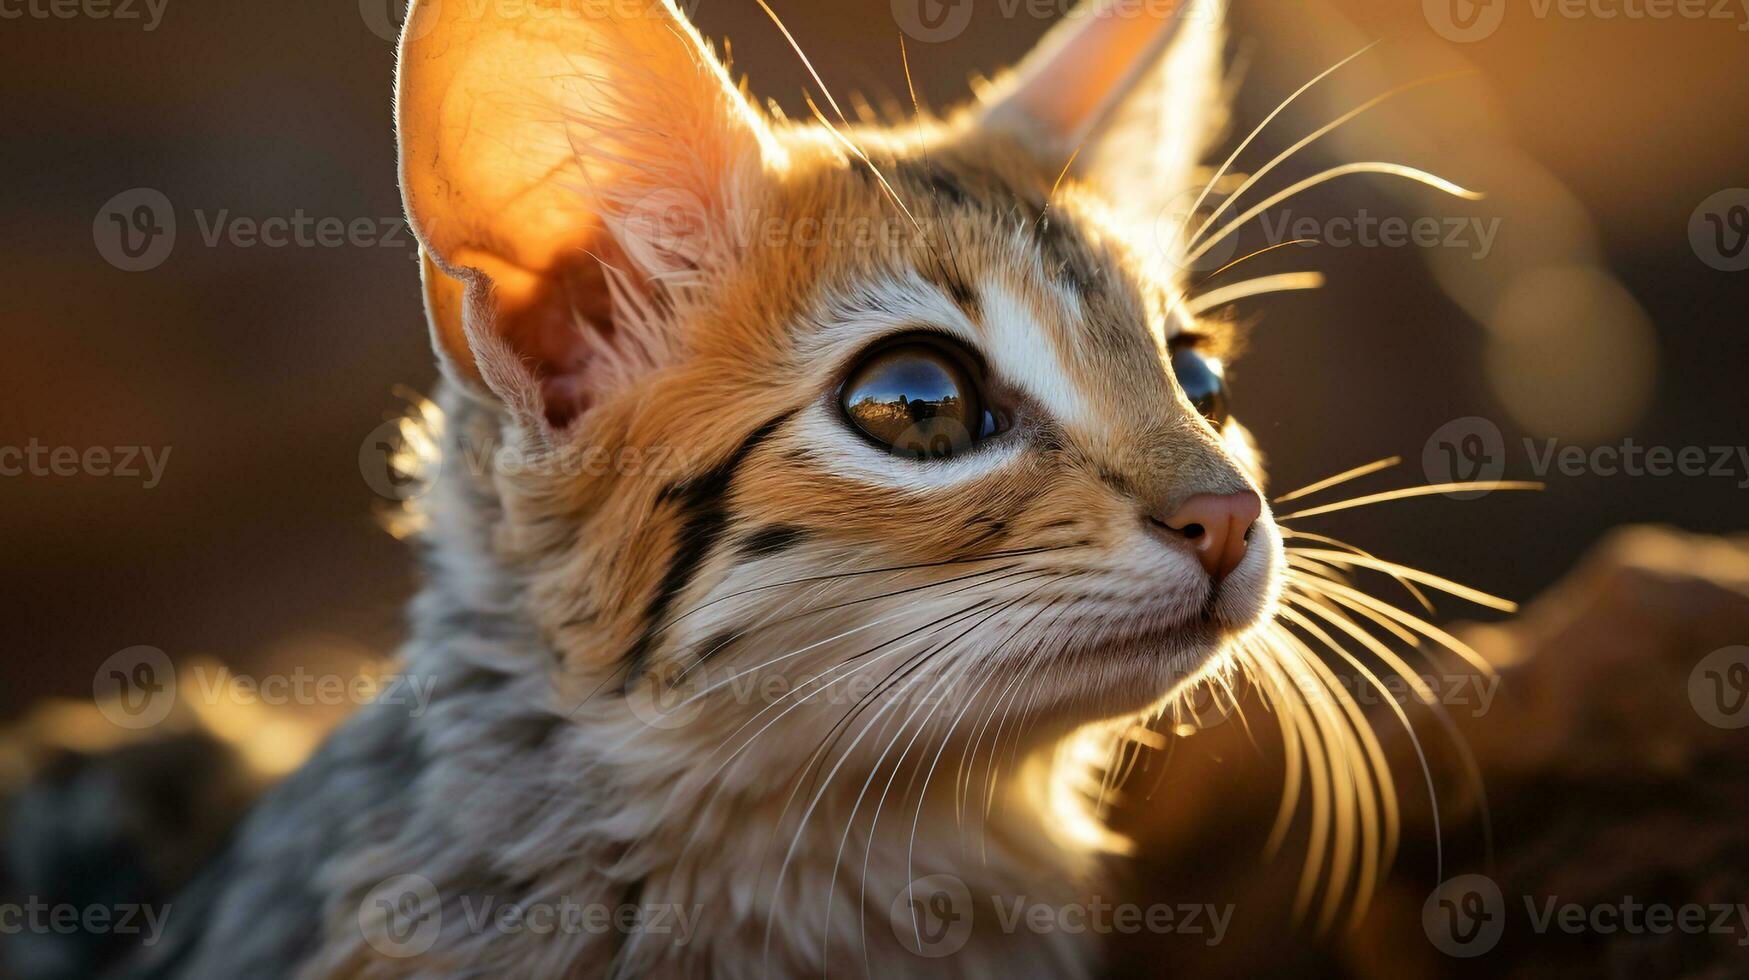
[
  {"x": 1093, "y": 66},
  {"x": 558, "y": 327}
]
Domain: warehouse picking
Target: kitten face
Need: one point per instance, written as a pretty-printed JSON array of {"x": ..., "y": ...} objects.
[{"x": 1013, "y": 530}]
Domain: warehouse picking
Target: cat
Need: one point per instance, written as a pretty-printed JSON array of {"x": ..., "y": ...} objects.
[{"x": 846, "y": 480}]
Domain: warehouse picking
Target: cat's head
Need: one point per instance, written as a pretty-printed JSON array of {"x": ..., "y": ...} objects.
[{"x": 920, "y": 404}]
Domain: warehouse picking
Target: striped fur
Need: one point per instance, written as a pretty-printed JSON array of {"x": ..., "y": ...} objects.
[{"x": 830, "y": 625}]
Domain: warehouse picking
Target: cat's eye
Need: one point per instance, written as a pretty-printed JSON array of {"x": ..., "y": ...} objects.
[
  {"x": 919, "y": 398},
  {"x": 1200, "y": 377}
]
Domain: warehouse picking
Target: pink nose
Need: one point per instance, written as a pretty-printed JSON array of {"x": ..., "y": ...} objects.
[{"x": 1218, "y": 526}]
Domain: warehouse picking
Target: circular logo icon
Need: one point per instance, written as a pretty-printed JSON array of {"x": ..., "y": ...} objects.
[
  {"x": 1718, "y": 687},
  {"x": 1466, "y": 450},
  {"x": 1719, "y": 230},
  {"x": 1201, "y": 705},
  {"x": 932, "y": 916},
  {"x": 402, "y": 916},
  {"x": 932, "y": 21},
  {"x": 1465, "y": 916},
  {"x": 399, "y": 463},
  {"x": 939, "y": 434},
  {"x": 667, "y": 703},
  {"x": 1179, "y": 232},
  {"x": 665, "y": 230},
  {"x": 387, "y": 19},
  {"x": 135, "y": 688},
  {"x": 135, "y": 230},
  {"x": 1464, "y": 21}
]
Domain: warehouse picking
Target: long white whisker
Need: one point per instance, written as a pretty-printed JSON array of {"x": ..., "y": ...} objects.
[{"x": 1370, "y": 167}]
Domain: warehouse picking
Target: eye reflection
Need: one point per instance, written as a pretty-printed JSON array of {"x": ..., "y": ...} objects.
[{"x": 915, "y": 400}]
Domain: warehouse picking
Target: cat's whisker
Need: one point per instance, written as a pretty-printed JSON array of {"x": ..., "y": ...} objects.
[
  {"x": 1369, "y": 167},
  {"x": 962, "y": 783},
  {"x": 974, "y": 580},
  {"x": 836, "y": 133},
  {"x": 1246, "y": 258},
  {"x": 1356, "y": 473},
  {"x": 1305, "y": 585},
  {"x": 1227, "y": 164},
  {"x": 1377, "y": 807},
  {"x": 989, "y": 672},
  {"x": 909, "y": 679},
  {"x": 1411, "y": 587},
  {"x": 1285, "y": 282},
  {"x": 1407, "y": 492},
  {"x": 1348, "y": 596},
  {"x": 929, "y": 698},
  {"x": 1322, "y": 131},
  {"x": 844, "y": 669},
  {"x": 858, "y": 573},
  {"x": 1428, "y": 579}
]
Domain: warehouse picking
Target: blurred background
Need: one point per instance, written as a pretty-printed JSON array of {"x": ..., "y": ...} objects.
[{"x": 1596, "y": 295}]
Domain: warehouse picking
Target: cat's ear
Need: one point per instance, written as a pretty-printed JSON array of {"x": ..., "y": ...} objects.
[
  {"x": 570, "y": 168},
  {"x": 1130, "y": 89}
]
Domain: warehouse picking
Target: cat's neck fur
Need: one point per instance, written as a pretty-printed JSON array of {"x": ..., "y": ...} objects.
[{"x": 527, "y": 794}]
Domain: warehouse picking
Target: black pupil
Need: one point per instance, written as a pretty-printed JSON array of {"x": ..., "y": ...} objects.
[
  {"x": 1201, "y": 384},
  {"x": 915, "y": 400}
]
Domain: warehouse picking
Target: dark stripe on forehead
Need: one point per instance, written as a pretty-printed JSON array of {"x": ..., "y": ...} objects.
[{"x": 702, "y": 503}]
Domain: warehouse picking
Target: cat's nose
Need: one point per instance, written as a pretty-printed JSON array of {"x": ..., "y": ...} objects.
[{"x": 1218, "y": 526}]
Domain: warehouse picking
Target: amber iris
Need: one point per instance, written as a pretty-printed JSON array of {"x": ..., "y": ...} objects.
[{"x": 915, "y": 399}]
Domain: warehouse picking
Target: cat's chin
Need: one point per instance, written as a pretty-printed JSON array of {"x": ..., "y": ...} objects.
[{"x": 1116, "y": 670}]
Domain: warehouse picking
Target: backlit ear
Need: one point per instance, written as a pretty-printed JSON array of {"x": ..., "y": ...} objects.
[
  {"x": 570, "y": 168},
  {"x": 1133, "y": 85}
]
